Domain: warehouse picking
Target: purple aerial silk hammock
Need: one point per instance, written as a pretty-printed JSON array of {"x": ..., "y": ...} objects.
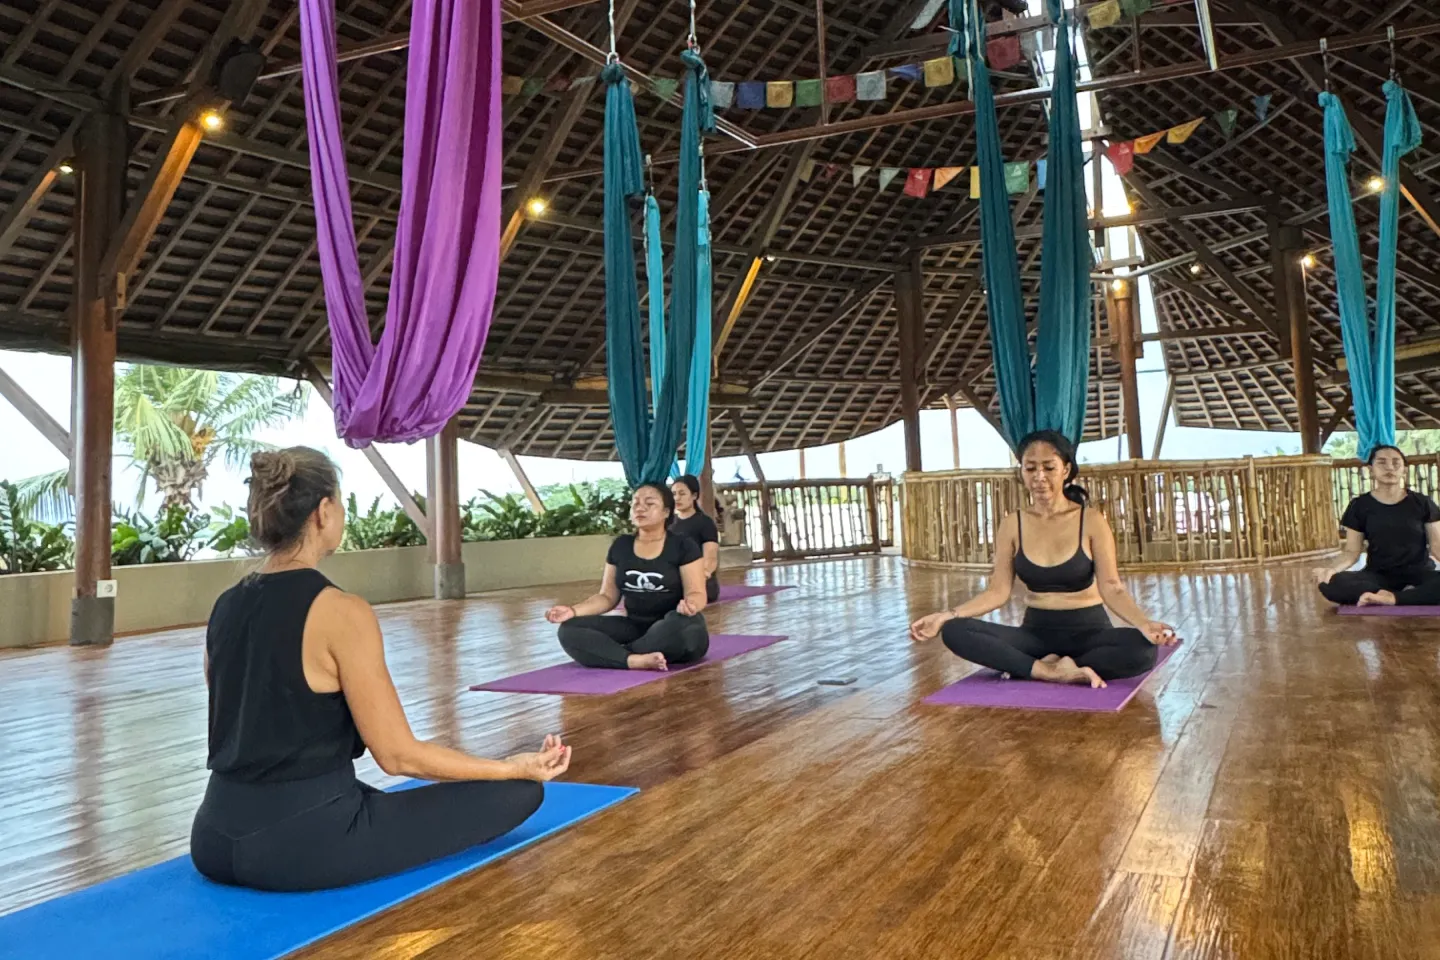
[{"x": 447, "y": 242}]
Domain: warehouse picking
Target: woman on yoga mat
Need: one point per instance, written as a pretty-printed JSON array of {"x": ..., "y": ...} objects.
[
  {"x": 690, "y": 521},
  {"x": 1063, "y": 551},
  {"x": 1398, "y": 529},
  {"x": 298, "y": 690},
  {"x": 661, "y": 578}
]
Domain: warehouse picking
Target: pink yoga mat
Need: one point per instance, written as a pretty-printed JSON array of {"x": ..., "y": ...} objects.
[
  {"x": 987, "y": 689},
  {"x": 573, "y": 678},
  {"x": 1383, "y": 611}
]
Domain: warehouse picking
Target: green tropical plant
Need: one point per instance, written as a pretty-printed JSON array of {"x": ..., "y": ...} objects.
[
  {"x": 506, "y": 518},
  {"x": 46, "y": 496},
  {"x": 378, "y": 528},
  {"x": 1345, "y": 446},
  {"x": 173, "y": 537},
  {"x": 27, "y": 545},
  {"x": 176, "y": 422},
  {"x": 229, "y": 532}
]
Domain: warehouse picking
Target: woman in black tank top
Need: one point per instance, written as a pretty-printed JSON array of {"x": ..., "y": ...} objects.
[
  {"x": 1066, "y": 636},
  {"x": 298, "y": 690}
]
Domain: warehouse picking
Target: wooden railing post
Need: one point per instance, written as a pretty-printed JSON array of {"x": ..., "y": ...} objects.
[
  {"x": 1253, "y": 519},
  {"x": 874, "y": 511}
]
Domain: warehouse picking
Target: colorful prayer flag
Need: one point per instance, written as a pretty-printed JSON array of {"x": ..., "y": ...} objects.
[
  {"x": 1145, "y": 144},
  {"x": 870, "y": 86},
  {"x": 1122, "y": 156},
  {"x": 939, "y": 72},
  {"x": 665, "y": 87},
  {"x": 512, "y": 86},
  {"x": 557, "y": 84},
  {"x": 1135, "y": 8},
  {"x": 1180, "y": 134},
  {"x": 533, "y": 86},
  {"x": 751, "y": 95},
  {"x": 857, "y": 174},
  {"x": 1017, "y": 176},
  {"x": 807, "y": 171},
  {"x": 809, "y": 93},
  {"x": 830, "y": 171},
  {"x": 586, "y": 80},
  {"x": 1106, "y": 14},
  {"x": 1262, "y": 107},
  {"x": 913, "y": 72},
  {"x": 1003, "y": 52},
  {"x": 888, "y": 175},
  {"x": 944, "y": 175},
  {"x": 840, "y": 89},
  {"x": 1041, "y": 166},
  {"x": 722, "y": 94},
  {"x": 917, "y": 183},
  {"x": 779, "y": 93},
  {"x": 974, "y": 183},
  {"x": 1227, "y": 120}
]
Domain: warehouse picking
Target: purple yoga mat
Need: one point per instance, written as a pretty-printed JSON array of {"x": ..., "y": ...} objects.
[
  {"x": 1379, "y": 610},
  {"x": 987, "y": 689},
  {"x": 573, "y": 678}
]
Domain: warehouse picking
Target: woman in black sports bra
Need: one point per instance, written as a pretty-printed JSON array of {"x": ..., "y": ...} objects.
[{"x": 1066, "y": 636}]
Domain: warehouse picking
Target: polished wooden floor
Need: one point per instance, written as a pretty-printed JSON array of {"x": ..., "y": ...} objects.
[{"x": 1272, "y": 793}]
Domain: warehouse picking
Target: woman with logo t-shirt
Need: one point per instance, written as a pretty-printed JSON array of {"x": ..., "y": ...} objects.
[
  {"x": 661, "y": 578},
  {"x": 1398, "y": 529}
]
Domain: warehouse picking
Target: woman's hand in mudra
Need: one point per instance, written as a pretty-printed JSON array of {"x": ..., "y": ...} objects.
[
  {"x": 552, "y": 760},
  {"x": 1160, "y": 634},
  {"x": 928, "y": 628},
  {"x": 686, "y": 608},
  {"x": 559, "y": 614}
]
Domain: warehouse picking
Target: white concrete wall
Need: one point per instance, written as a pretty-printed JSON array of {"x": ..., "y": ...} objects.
[{"x": 35, "y": 607}]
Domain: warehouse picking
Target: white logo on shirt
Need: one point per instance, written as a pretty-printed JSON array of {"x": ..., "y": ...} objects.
[{"x": 644, "y": 581}]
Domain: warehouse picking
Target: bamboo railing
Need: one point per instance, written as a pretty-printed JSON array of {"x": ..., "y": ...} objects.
[
  {"x": 800, "y": 519},
  {"x": 1166, "y": 514}
]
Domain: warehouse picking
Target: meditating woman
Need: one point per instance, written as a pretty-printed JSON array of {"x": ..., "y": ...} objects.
[
  {"x": 661, "y": 578},
  {"x": 298, "y": 690},
  {"x": 690, "y": 521},
  {"x": 1398, "y": 529},
  {"x": 1064, "y": 553}
]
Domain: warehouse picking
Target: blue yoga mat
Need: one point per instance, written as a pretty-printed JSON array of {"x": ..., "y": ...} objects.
[{"x": 170, "y": 911}]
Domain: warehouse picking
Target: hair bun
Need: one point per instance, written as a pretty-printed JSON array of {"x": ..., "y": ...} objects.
[{"x": 272, "y": 470}]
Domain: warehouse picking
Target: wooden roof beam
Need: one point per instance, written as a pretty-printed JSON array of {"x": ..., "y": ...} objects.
[{"x": 857, "y": 297}]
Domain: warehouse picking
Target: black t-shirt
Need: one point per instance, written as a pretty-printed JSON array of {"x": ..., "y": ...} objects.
[
  {"x": 698, "y": 527},
  {"x": 651, "y": 588},
  {"x": 1394, "y": 532}
]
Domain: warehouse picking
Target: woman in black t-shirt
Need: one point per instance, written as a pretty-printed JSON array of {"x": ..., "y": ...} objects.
[
  {"x": 1398, "y": 529},
  {"x": 661, "y": 578},
  {"x": 690, "y": 521}
]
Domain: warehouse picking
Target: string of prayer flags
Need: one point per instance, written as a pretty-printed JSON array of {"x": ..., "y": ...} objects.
[
  {"x": 1227, "y": 119},
  {"x": 870, "y": 85},
  {"x": 944, "y": 175},
  {"x": 940, "y": 72},
  {"x": 1105, "y": 14},
  {"x": 888, "y": 175},
  {"x": 1135, "y": 8},
  {"x": 840, "y": 89},
  {"x": 1145, "y": 144},
  {"x": 1262, "y": 107},
  {"x": 1178, "y": 135},
  {"x": 722, "y": 94},
  {"x": 1122, "y": 156},
  {"x": 1003, "y": 52},
  {"x": 779, "y": 93},
  {"x": 859, "y": 173},
  {"x": 809, "y": 93},
  {"x": 917, "y": 182}
]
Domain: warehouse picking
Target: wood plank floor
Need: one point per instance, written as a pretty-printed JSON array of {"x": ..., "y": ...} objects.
[{"x": 1271, "y": 793}]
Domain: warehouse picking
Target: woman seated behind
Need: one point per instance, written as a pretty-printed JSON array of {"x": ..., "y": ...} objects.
[
  {"x": 690, "y": 521},
  {"x": 661, "y": 577},
  {"x": 1399, "y": 531},
  {"x": 299, "y": 689},
  {"x": 1057, "y": 547}
]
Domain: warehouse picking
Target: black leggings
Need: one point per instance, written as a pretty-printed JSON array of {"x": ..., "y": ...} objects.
[
  {"x": 333, "y": 830},
  {"x": 603, "y": 641},
  {"x": 1084, "y": 635},
  {"x": 1412, "y": 588}
]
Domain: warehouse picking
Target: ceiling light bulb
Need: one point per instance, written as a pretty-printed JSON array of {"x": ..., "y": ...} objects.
[
  {"x": 1195, "y": 269},
  {"x": 212, "y": 120},
  {"x": 1375, "y": 184},
  {"x": 1308, "y": 261},
  {"x": 537, "y": 206},
  {"x": 1119, "y": 286},
  {"x": 66, "y": 169}
]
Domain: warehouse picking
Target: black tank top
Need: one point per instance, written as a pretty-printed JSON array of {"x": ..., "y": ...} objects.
[
  {"x": 1072, "y": 576},
  {"x": 266, "y": 724}
]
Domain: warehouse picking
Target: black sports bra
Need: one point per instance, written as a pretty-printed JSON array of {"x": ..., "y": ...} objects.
[{"x": 1072, "y": 576}]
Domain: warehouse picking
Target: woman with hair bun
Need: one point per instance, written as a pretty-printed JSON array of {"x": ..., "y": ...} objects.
[
  {"x": 298, "y": 690},
  {"x": 694, "y": 523},
  {"x": 1062, "y": 550}
]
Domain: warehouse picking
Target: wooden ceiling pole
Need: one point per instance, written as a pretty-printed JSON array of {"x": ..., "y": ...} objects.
[
  {"x": 853, "y": 300},
  {"x": 1341, "y": 412},
  {"x": 1287, "y": 277},
  {"x": 36, "y": 415}
]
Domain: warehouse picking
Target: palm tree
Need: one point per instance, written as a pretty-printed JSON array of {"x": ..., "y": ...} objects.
[{"x": 174, "y": 423}]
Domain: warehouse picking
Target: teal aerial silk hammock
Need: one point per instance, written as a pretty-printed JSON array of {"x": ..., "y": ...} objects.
[
  {"x": 647, "y": 443},
  {"x": 1369, "y": 354},
  {"x": 1056, "y": 398}
]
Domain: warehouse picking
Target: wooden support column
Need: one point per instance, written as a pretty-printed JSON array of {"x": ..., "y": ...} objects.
[
  {"x": 954, "y": 429},
  {"x": 445, "y": 515},
  {"x": 1164, "y": 418},
  {"x": 844, "y": 472},
  {"x": 35, "y": 415},
  {"x": 909, "y": 306},
  {"x": 101, "y": 160},
  {"x": 430, "y": 555},
  {"x": 1120, "y": 301},
  {"x": 708, "y": 503},
  {"x": 767, "y": 548},
  {"x": 1292, "y": 307}
]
